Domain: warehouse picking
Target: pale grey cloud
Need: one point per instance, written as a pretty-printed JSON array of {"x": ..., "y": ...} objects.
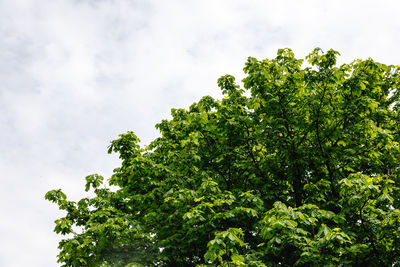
[{"x": 75, "y": 74}]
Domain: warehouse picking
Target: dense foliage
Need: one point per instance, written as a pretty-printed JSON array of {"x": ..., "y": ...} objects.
[{"x": 299, "y": 168}]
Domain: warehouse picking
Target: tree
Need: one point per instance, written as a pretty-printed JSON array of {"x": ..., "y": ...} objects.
[{"x": 299, "y": 168}]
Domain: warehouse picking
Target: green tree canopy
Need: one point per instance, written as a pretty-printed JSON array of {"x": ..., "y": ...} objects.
[{"x": 299, "y": 168}]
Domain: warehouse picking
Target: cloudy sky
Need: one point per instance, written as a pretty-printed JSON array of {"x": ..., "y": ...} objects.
[{"x": 76, "y": 73}]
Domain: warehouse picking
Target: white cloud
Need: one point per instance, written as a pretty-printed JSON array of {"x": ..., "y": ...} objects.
[{"x": 75, "y": 74}]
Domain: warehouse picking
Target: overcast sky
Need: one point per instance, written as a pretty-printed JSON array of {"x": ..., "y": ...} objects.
[{"x": 76, "y": 73}]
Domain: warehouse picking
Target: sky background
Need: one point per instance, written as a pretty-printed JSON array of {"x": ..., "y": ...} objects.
[{"x": 76, "y": 73}]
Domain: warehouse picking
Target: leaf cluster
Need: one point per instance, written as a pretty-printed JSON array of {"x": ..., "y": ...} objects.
[{"x": 298, "y": 168}]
